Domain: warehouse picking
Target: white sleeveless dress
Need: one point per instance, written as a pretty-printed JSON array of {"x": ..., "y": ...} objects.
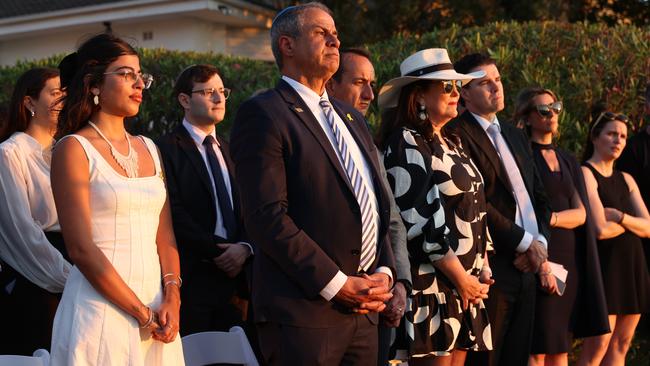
[{"x": 88, "y": 329}]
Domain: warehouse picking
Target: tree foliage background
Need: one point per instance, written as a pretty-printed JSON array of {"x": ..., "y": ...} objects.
[{"x": 369, "y": 21}]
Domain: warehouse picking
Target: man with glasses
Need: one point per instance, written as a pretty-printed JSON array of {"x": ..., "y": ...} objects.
[
  {"x": 518, "y": 210},
  {"x": 205, "y": 206}
]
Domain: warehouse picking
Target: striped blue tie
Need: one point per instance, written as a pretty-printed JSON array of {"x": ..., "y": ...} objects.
[{"x": 368, "y": 225}]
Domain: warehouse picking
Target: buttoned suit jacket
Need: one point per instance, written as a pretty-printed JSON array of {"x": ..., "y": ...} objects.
[
  {"x": 194, "y": 216},
  {"x": 299, "y": 207},
  {"x": 506, "y": 235}
]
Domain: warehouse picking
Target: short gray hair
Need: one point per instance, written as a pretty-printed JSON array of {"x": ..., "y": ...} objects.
[{"x": 289, "y": 22}]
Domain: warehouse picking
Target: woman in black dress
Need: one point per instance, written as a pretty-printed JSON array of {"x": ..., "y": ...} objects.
[
  {"x": 440, "y": 195},
  {"x": 621, "y": 218},
  {"x": 538, "y": 110}
]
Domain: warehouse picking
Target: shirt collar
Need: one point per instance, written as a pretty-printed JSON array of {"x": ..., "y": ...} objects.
[
  {"x": 197, "y": 134},
  {"x": 485, "y": 124},
  {"x": 310, "y": 97}
]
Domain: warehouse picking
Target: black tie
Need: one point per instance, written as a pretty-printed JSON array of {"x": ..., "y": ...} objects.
[{"x": 223, "y": 198}]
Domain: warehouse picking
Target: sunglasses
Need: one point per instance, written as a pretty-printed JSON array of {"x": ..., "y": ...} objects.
[
  {"x": 546, "y": 110},
  {"x": 608, "y": 117},
  {"x": 448, "y": 85}
]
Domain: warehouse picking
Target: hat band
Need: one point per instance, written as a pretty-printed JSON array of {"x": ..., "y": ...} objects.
[{"x": 430, "y": 69}]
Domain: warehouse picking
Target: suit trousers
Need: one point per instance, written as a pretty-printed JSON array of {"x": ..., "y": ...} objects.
[
  {"x": 512, "y": 313},
  {"x": 351, "y": 343}
]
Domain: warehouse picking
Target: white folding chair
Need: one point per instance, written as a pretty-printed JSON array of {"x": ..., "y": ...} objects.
[
  {"x": 41, "y": 357},
  {"x": 218, "y": 347}
]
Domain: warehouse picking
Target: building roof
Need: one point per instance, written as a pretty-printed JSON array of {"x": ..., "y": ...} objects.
[{"x": 16, "y": 8}]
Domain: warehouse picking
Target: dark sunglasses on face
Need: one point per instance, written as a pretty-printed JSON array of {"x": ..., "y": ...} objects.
[
  {"x": 546, "y": 110},
  {"x": 608, "y": 117},
  {"x": 448, "y": 86}
]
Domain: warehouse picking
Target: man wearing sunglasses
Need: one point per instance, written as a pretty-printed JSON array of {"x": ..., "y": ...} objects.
[
  {"x": 518, "y": 211},
  {"x": 205, "y": 206}
]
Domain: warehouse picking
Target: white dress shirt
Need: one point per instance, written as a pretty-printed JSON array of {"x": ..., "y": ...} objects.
[
  {"x": 198, "y": 136},
  {"x": 525, "y": 212},
  {"x": 28, "y": 210},
  {"x": 312, "y": 100}
]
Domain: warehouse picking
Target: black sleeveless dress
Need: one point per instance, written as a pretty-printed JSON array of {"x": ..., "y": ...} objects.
[
  {"x": 552, "y": 326},
  {"x": 625, "y": 273}
]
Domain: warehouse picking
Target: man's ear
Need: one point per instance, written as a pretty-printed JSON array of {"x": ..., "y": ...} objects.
[
  {"x": 286, "y": 45},
  {"x": 184, "y": 100}
]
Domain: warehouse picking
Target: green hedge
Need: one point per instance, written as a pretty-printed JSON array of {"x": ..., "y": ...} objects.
[{"x": 582, "y": 63}]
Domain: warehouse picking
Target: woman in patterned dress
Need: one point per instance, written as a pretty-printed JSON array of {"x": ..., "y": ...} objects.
[{"x": 440, "y": 195}]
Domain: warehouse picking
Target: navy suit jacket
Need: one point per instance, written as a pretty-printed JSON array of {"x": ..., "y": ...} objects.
[
  {"x": 505, "y": 234},
  {"x": 194, "y": 216},
  {"x": 299, "y": 207}
]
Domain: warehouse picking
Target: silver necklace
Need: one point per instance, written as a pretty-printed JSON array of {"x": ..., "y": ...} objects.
[{"x": 128, "y": 162}]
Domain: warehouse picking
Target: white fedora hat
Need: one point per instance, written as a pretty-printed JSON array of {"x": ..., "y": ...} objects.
[{"x": 429, "y": 64}]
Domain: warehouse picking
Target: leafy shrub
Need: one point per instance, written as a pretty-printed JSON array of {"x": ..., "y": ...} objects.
[{"x": 583, "y": 63}]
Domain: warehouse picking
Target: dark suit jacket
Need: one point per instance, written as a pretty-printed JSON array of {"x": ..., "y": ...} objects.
[
  {"x": 194, "y": 218},
  {"x": 299, "y": 207},
  {"x": 501, "y": 212}
]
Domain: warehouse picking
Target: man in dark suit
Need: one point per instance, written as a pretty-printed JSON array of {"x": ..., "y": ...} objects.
[
  {"x": 205, "y": 206},
  {"x": 353, "y": 83},
  {"x": 314, "y": 205},
  {"x": 518, "y": 211}
]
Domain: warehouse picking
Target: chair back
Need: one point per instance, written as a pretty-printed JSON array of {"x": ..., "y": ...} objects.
[
  {"x": 41, "y": 357},
  {"x": 218, "y": 347}
]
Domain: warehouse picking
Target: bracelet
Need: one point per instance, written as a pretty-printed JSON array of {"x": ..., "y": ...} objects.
[
  {"x": 149, "y": 321},
  {"x": 180, "y": 280},
  {"x": 620, "y": 222},
  {"x": 545, "y": 273},
  {"x": 171, "y": 282},
  {"x": 554, "y": 215}
]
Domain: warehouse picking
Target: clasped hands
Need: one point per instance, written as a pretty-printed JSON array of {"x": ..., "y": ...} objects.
[
  {"x": 531, "y": 259},
  {"x": 365, "y": 293},
  {"x": 232, "y": 260}
]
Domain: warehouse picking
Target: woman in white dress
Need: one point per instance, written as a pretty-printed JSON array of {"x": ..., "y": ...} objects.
[
  {"x": 31, "y": 245},
  {"x": 121, "y": 303}
]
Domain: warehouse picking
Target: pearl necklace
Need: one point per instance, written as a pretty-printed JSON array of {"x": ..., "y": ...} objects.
[{"x": 128, "y": 162}]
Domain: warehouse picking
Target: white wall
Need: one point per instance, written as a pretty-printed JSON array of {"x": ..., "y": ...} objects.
[{"x": 181, "y": 33}]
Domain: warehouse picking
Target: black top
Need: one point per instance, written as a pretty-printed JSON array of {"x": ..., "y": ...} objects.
[{"x": 625, "y": 273}]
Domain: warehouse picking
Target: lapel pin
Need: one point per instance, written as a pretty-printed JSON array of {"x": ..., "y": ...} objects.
[
  {"x": 298, "y": 109},
  {"x": 350, "y": 117}
]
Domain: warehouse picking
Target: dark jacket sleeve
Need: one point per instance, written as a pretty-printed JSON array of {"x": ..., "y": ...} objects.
[
  {"x": 396, "y": 230},
  {"x": 257, "y": 147},
  {"x": 590, "y": 309},
  {"x": 189, "y": 234}
]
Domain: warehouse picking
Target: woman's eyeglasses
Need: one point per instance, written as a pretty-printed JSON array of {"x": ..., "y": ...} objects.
[
  {"x": 133, "y": 77},
  {"x": 608, "y": 117},
  {"x": 211, "y": 92},
  {"x": 546, "y": 110},
  {"x": 448, "y": 85}
]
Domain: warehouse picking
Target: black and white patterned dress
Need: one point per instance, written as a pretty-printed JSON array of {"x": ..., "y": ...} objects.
[{"x": 439, "y": 192}]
